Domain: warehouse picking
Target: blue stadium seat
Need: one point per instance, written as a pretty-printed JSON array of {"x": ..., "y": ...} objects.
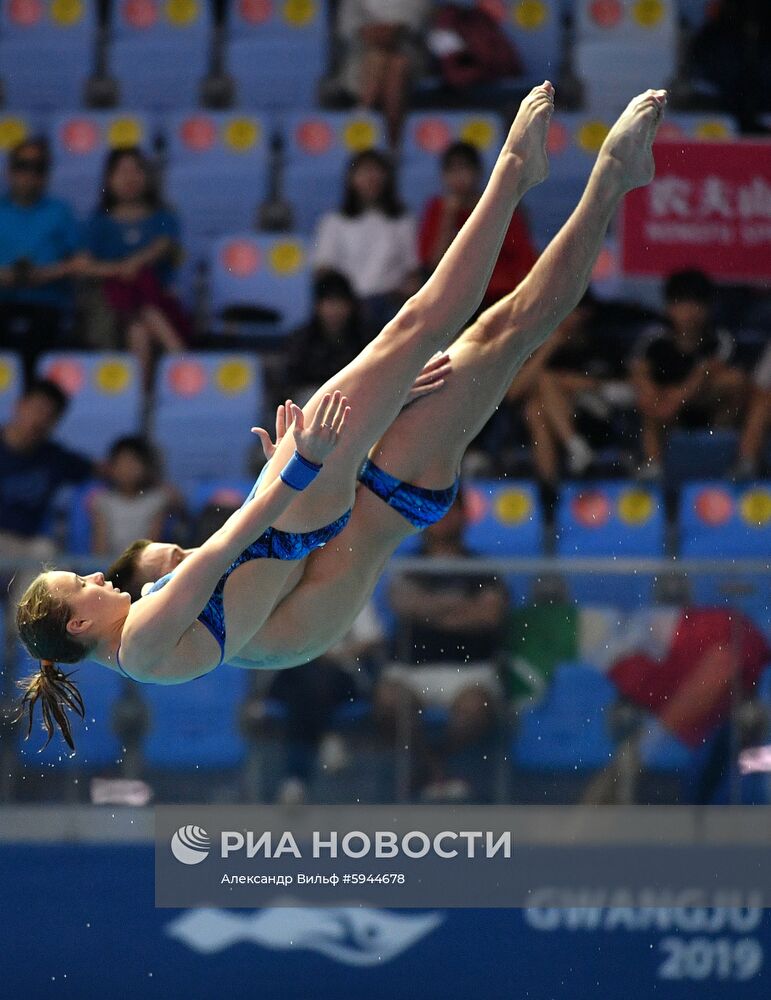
[
  {"x": 610, "y": 519},
  {"x": 79, "y": 522},
  {"x": 195, "y": 725},
  {"x": 694, "y": 12},
  {"x": 319, "y": 146},
  {"x": 223, "y": 492},
  {"x": 428, "y": 134},
  {"x": 204, "y": 407},
  {"x": 160, "y": 51},
  {"x": 721, "y": 521},
  {"x": 217, "y": 171},
  {"x": 97, "y": 746},
  {"x": 270, "y": 272},
  {"x": 568, "y": 730},
  {"x": 691, "y": 455},
  {"x": 105, "y": 398},
  {"x": 661, "y": 751},
  {"x": 505, "y": 519},
  {"x": 80, "y": 143},
  {"x": 276, "y": 53},
  {"x": 535, "y": 28},
  {"x": 47, "y": 52},
  {"x": 11, "y": 384}
]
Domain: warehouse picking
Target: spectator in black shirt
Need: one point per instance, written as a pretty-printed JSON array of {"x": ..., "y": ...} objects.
[
  {"x": 448, "y": 634},
  {"x": 681, "y": 371}
]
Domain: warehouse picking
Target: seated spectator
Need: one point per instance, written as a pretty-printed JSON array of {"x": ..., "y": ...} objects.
[
  {"x": 131, "y": 243},
  {"x": 38, "y": 244},
  {"x": 324, "y": 346},
  {"x": 135, "y": 504},
  {"x": 445, "y": 214},
  {"x": 754, "y": 434},
  {"x": 372, "y": 239},
  {"x": 681, "y": 371},
  {"x": 384, "y": 39},
  {"x": 449, "y": 631}
]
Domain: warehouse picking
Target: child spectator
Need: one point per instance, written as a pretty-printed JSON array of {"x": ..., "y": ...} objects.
[
  {"x": 681, "y": 371},
  {"x": 445, "y": 214},
  {"x": 38, "y": 244},
  {"x": 372, "y": 239},
  {"x": 135, "y": 505},
  {"x": 132, "y": 243}
]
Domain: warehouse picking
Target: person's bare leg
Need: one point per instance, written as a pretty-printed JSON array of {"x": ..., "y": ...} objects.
[
  {"x": 545, "y": 456},
  {"x": 140, "y": 342},
  {"x": 754, "y": 431},
  {"x": 425, "y": 444},
  {"x": 163, "y": 332},
  {"x": 378, "y": 380},
  {"x": 395, "y": 89}
]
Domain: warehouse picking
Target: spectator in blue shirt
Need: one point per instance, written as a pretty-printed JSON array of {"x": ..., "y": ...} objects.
[
  {"x": 131, "y": 244},
  {"x": 38, "y": 246}
]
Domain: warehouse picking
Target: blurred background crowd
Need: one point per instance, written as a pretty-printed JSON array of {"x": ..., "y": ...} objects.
[{"x": 209, "y": 208}]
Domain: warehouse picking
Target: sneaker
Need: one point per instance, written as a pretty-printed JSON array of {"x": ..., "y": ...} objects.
[
  {"x": 743, "y": 470},
  {"x": 580, "y": 456}
]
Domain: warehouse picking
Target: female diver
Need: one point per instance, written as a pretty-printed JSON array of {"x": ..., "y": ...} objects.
[{"x": 180, "y": 631}]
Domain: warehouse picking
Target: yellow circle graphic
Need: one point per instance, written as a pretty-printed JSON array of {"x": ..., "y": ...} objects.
[
  {"x": 755, "y": 507},
  {"x": 591, "y": 136},
  {"x": 112, "y": 377},
  {"x": 242, "y": 134},
  {"x": 12, "y": 132},
  {"x": 299, "y": 13},
  {"x": 359, "y": 135},
  {"x": 648, "y": 13},
  {"x": 6, "y": 376},
  {"x": 712, "y": 129},
  {"x": 530, "y": 14},
  {"x": 286, "y": 257},
  {"x": 123, "y": 133},
  {"x": 635, "y": 507},
  {"x": 233, "y": 377},
  {"x": 479, "y": 132},
  {"x": 512, "y": 506},
  {"x": 182, "y": 12},
  {"x": 66, "y": 12}
]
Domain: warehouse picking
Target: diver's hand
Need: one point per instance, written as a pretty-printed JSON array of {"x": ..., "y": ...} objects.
[
  {"x": 283, "y": 420},
  {"x": 431, "y": 378},
  {"x": 315, "y": 440}
]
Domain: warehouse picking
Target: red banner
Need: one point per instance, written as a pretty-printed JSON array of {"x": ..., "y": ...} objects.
[{"x": 708, "y": 207}]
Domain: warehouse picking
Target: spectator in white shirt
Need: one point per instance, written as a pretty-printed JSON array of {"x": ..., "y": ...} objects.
[{"x": 372, "y": 239}]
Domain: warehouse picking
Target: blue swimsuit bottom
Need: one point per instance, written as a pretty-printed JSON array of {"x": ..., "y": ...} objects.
[
  {"x": 421, "y": 507},
  {"x": 272, "y": 544}
]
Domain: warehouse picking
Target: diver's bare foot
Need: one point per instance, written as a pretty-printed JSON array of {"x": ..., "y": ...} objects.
[
  {"x": 627, "y": 151},
  {"x": 526, "y": 141}
]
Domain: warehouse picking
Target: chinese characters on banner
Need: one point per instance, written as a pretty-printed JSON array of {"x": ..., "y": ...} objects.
[{"x": 708, "y": 207}]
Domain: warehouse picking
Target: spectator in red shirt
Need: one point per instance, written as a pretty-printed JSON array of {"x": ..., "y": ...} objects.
[{"x": 444, "y": 215}]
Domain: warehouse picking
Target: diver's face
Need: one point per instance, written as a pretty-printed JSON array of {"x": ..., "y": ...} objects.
[{"x": 157, "y": 559}]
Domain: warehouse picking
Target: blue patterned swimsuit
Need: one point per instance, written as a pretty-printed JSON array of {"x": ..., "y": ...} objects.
[
  {"x": 421, "y": 507},
  {"x": 272, "y": 544}
]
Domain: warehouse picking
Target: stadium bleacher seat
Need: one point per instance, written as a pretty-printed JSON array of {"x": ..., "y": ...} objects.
[
  {"x": 276, "y": 53},
  {"x": 11, "y": 384},
  {"x": 617, "y": 520},
  {"x": 622, "y": 47},
  {"x": 504, "y": 519},
  {"x": 568, "y": 730},
  {"x": 428, "y": 134},
  {"x": 660, "y": 750},
  {"x": 263, "y": 273},
  {"x": 195, "y": 725},
  {"x": 16, "y": 126},
  {"x": 318, "y": 147},
  {"x": 80, "y": 143},
  {"x": 47, "y": 52},
  {"x": 535, "y": 28},
  {"x": 216, "y": 171},
  {"x": 160, "y": 51},
  {"x": 205, "y": 405},
  {"x": 105, "y": 398},
  {"x": 720, "y": 521},
  {"x": 691, "y": 455},
  {"x": 97, "y": 747}
]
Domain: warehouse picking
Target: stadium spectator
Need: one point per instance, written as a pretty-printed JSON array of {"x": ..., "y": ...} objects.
[
  {"x": 38, "y": 244},
  {"x": 754, "y": 432},
  {"x": 448, "y": 634},
  {"x": 681, "y": 371},
  {"x": 371, "y": 239},
  {"x": 384, "y": 45},
  {"x": 135, "y": 504},
  {"x": 132, "y": 244},
  {"x": 445, "y": 214},
  {"x": 334, "y": 335}
]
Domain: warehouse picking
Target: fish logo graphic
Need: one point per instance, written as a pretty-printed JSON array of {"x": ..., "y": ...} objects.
[
  {"x": 190, "y": 845},
  {"x": 353, "y": 936}
]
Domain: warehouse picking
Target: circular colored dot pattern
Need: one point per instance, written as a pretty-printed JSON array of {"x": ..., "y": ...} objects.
[
  {"x": 181, "y": 13},
  {"x": 714, "y": 506},
  {"x": 299, "y": 13},
  {"x": 123, "y": 133},
  {"x": 140, "y": 13},
  {"x": 755, "y": 507},
  {"x": 241, "y": 258},
  {"x": 198, "y": 133},
  {"x": 25, "y": 12},
  {"x": 255, "y": 11},
  {"x": 714, "y": 129},
  {"x": 68, "y": 374},
  {"x": 478, "y": 132},
  {"x": 5, "y": 376},
  {"x": 66, "y": 12},
  {"x": 530, "y": 14},
  {"x": 12, "y": 131},
  {"x": 648, "y": 13},
  {"x": 233, "y": 377},
  {"x": 286, "y": 257},
  {"x": 433, "y": 135},
  {"x": 80, "y": 136},
  {"x": 242, "y": 134},
  {"x": 591, "y": 510},
  {"x": 314, "y": 137},
  {"x": 359, "y": 134},
  {"x": 606, "y": 13},
  {"x": 112, "y": 377},
  {"x": 512, "y": 506},
  {"x": 187, "y": 378},
  {"x": 635, "y": 507},
  {"x": 591, "y": 136}
]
